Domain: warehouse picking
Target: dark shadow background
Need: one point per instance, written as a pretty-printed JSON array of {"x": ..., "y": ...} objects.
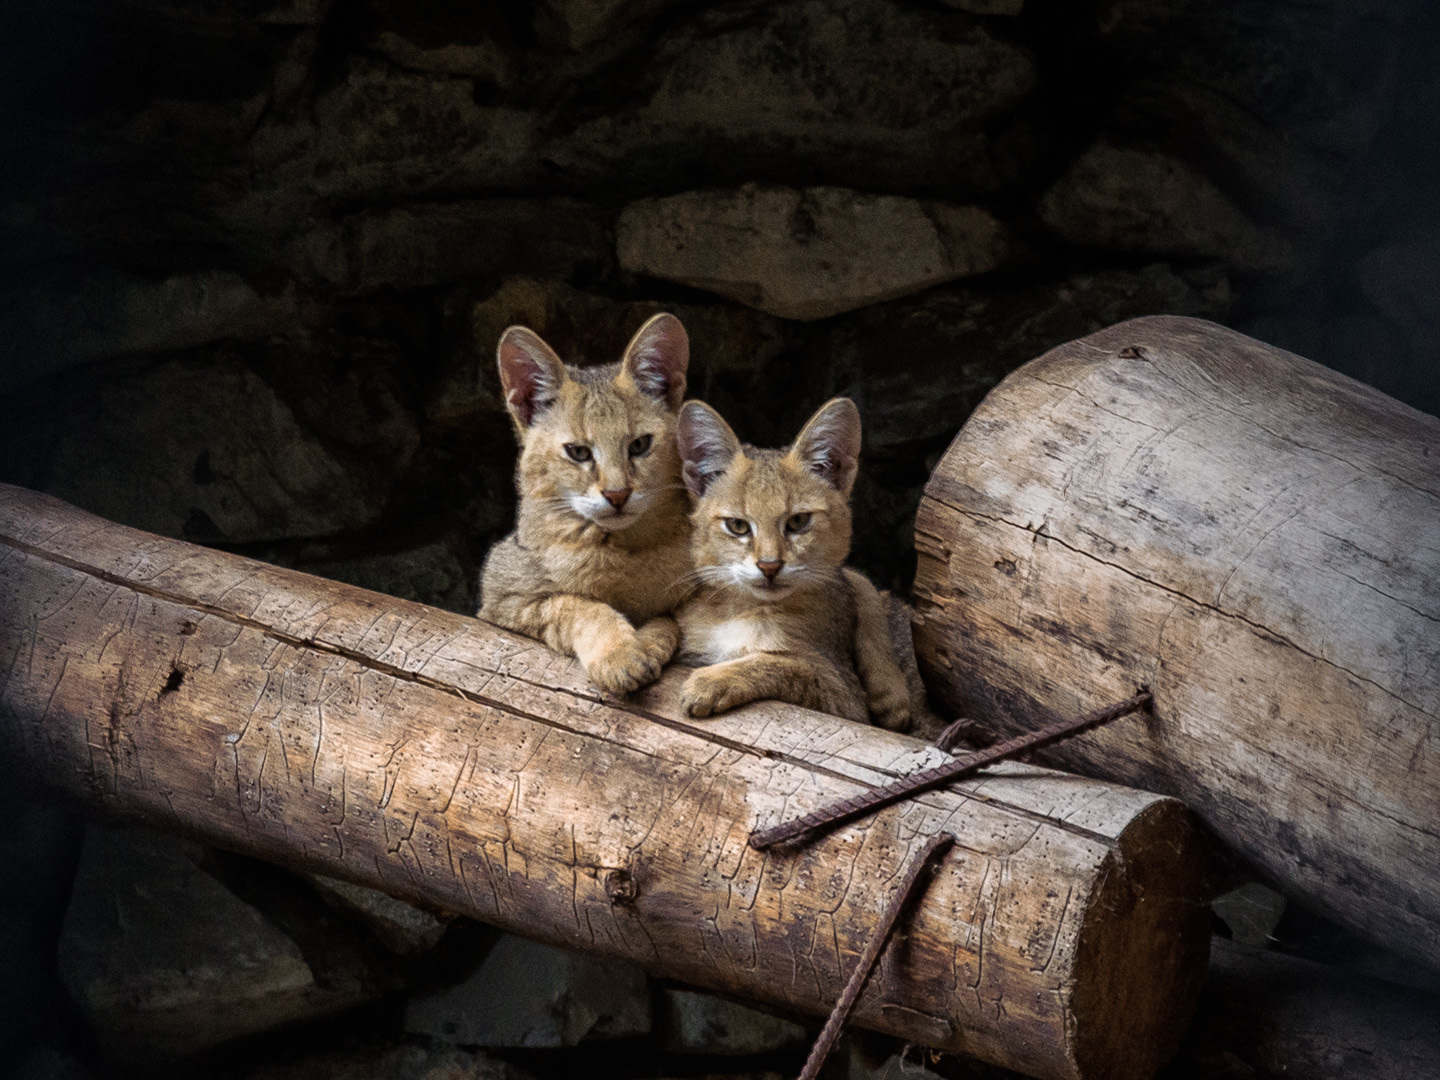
[{"x": 255, "y": 254}]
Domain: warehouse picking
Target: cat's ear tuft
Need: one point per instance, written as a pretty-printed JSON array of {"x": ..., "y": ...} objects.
[
  {"x": 530, "y": 374},
  {"x": 829, "y": 445},
  {"x": 706, "y": 444},
  {"x": 656, "y": 359}
]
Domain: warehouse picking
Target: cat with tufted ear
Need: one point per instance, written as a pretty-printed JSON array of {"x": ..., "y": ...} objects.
[
  {"x": 601, "y": 541},
  {"x": 777, "y": 614}
]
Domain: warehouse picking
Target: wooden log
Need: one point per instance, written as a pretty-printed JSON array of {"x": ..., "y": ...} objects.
[
  {"x": 1257, "y": 539},
  {"x": 444, "y": 760}
]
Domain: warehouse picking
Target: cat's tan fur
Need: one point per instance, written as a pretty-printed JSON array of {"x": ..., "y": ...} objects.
[
  {"x": 814, "y": 635},
  {"x": 587, "y": 578}
]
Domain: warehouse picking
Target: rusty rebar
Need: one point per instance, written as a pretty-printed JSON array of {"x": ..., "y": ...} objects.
[
  {"x": 869, "y": 801},
  {"x": 845, "y": 1004}
]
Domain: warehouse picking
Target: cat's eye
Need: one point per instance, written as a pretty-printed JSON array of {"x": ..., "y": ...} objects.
[
  {"x": 737, "y": 526},
  {"x": 640, "y": 446},
  {"x": 578, "y": 452},
  {"x": 797, "y": 523}
]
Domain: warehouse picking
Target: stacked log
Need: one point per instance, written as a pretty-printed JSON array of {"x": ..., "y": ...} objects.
[
  {"x": 1254, "y": 537},
  {"x": 446, "y": 761}
]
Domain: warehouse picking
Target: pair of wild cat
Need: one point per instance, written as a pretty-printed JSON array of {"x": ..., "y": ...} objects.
[{"x": 608, "y": 561}]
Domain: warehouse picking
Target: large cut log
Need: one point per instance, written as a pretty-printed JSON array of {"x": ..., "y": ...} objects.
[
  {"x": 444, "y": 760},
  {"x": 1254, "y": 537}
]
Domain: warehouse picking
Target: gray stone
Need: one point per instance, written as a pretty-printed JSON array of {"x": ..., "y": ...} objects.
[
  {"x": 578, "y": 24},
  {"x": 919, "y": 366},
  {"x": 403, "y": 928},
  {"x": 384, "y": 131},
  {"x": 810, "y": 253},
  {"x": 987, "y": 7},
  {"x": 532, "y": 995},
  {"x": 1251, "y": 912},
  {"x": 429, "y": 574},
  {"x": 427, "y": 244},
  {"x": 444, "y": 39},
  {"x": 206, "y": 450},
  {"x": 863, "y": 93},
  {"x": 1128, "y": 199},
  {"x": 390, "y": 1062},
  {"x": 728, "y": 343},
  {"x": 165, "y": 961},
  {"x": 695, "y": 1023},
  {"x": 109, "y": 315}
]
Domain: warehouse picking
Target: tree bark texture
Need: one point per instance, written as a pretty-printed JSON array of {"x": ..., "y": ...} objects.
[
  {"x": 1256, "y": 538},
  {"x": 442, "y": 759}
]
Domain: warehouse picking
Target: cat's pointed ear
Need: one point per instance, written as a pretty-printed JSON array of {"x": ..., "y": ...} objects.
[
  {"x": 530, "y": 374},
  {"x": 656, "y": 359},
  {"x": 829, "y": 445},
  {"x": 706, "y": 444}
]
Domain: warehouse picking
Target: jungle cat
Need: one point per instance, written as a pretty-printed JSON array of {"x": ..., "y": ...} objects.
[
  {"x": 602, "y": 533},
  {"x": 777, "y": 614}
]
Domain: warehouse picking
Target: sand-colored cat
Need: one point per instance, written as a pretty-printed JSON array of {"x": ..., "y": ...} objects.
[
  {"x": 601, "y": 541},
  {"x": 776, "y": 614}
]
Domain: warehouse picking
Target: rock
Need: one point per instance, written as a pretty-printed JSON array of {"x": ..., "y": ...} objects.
[
  {"x": 403, "y": 928},
  {"x": 443, "y": 39},
  {"x": 1251, "y": 912},
  {"x": 917, "y": 367},
  {"x": 165, "y": 961},
  {"x": 425, "y": 244},
  {"x": 696, "y": 1023},
  {"x": 862, "y": 93},
  {"x": 430, "y": 574},
  {"x": 730, "y": 345},
  {"x": 384, "y": 132},
  {"x": 1125, "y": 199},
  {"x": 810, "y": 253},
  {"x": 532, "y": 995},
  {"x": 578, "y": 24},
  {"x": 389, "y": 1062},
  {"x": 205, "y": 450},
  {"x": 111, "y": 315},
  {"x": 987, "y": 7}
]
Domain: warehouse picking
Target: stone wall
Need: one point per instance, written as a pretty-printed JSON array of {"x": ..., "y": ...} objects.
[{"x": 256, "y": 253}]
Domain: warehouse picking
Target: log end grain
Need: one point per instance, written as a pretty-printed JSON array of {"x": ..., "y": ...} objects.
[{"x": 1144, "y": 948}]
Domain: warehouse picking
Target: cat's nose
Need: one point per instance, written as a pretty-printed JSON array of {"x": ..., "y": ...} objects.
[
  {"x": 769, "y": 567},
  {"x": 617, "y": 497}
]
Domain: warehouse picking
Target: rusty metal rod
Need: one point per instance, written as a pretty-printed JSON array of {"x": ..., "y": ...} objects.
[
  {"x": 870, "y": 801},
  {"x": 903, "y": 894}
]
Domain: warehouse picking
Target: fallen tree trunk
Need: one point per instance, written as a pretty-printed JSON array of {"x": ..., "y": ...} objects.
[
  {"x": 444, "y": 760},
  {"x": 1252, "y": 536}
]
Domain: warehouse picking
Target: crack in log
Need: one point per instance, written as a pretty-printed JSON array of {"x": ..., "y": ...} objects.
[
  {"x": 1276, "y": 635},
  {"x": 395, "y": 671}
]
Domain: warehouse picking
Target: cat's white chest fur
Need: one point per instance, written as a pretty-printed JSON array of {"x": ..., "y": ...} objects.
[{"x": 732, "y": 638}]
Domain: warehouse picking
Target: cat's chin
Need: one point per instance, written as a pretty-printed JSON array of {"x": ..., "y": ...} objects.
[{"x": 770, "y": 593}]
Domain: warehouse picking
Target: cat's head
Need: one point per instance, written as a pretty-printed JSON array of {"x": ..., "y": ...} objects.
[
  {"x": 770, "y": 521},
  {"x": 598, "y": 443}
]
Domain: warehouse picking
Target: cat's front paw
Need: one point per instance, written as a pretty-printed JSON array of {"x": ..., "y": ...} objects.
[
  {"x": 659, "y": 637},
  {"x": 706, "y": 693},
  {"x": 625, "y": 664},
  {"x": 890, "y": 704}
]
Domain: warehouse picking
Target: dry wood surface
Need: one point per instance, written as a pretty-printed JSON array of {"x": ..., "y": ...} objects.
[
  {"x": 1254, "y": 537},
  {"x": 445, "y": 760}
]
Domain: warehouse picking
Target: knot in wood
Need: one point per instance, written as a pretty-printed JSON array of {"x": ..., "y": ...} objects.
[{"x": 620, "y": 886}]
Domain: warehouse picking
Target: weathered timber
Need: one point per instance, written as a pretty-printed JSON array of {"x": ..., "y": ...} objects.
[
  {"x": 1255, "y": 538},
  {"x": 441, "y": 759}
]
